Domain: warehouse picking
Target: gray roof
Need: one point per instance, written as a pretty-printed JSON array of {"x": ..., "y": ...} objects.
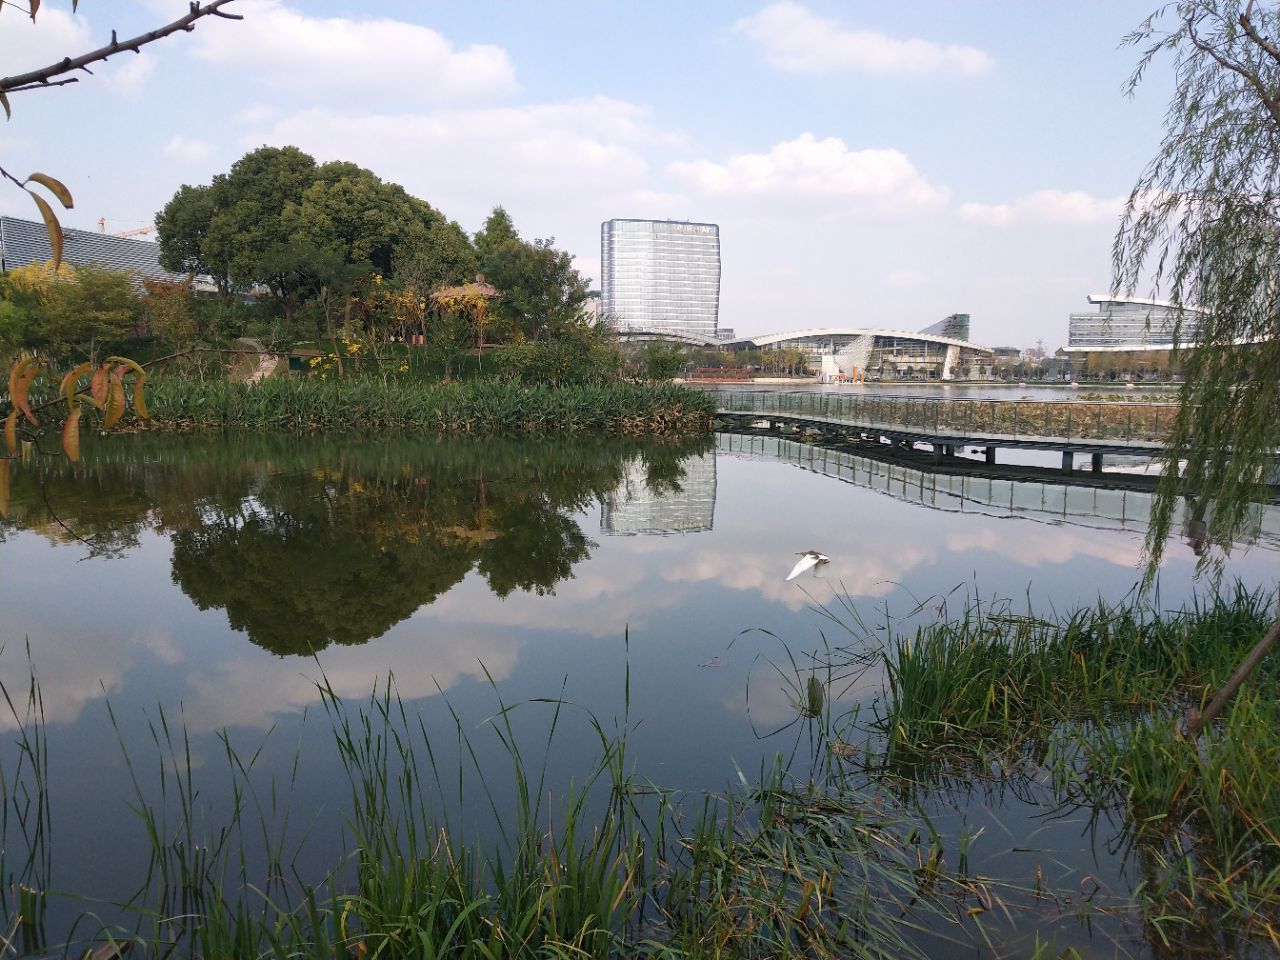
[{"x": 24, "y": 241}]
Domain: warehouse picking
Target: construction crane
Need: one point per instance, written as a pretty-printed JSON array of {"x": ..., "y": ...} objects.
[{"x": 138, "y": 231}]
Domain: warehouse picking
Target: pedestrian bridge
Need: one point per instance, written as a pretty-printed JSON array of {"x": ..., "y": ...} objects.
[{"x": 1070, "y": 427}]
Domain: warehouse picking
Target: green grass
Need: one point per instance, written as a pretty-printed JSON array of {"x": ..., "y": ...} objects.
[{"x": 483, "y": 407}]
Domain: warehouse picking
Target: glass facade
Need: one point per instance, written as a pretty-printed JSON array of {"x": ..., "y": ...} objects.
[
  {"x": 661, "y": 275},
  {"x": 1128, "y": 324}
]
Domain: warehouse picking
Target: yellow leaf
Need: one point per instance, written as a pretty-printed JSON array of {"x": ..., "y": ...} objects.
[
  {"x": 11, "y": 433},
  {"x": 68, "y": 387},
  {"x": 131, "y": 364},
  {"x": 71, "y": 434},
  {"x": 98, "y": 386},
  {"x": 54, "y": 186},
  {"x": 115, "y": 402},
  {"x": 139, "y": 401},
  {"x": 20, "y": 377},
  {"x": 51, "y": 225}
]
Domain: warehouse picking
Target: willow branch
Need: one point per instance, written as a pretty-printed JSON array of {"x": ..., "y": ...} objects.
[
  {"x": 1249, "y": 76},
  {"x": 38, "y": 78}
]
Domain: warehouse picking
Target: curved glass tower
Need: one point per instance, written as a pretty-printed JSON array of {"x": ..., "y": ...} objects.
[{"x": 661, "y": 275}]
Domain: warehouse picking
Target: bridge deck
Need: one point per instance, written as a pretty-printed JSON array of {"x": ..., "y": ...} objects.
[{"x": 1065, "y": 426}]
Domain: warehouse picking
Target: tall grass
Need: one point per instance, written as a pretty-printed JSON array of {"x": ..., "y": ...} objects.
[
  {"x": 606, "y": 866},
  {"x": 992, "y": 677},
  {"x": 482, "y": 407},
  {"x": 1093, "y": 703}
]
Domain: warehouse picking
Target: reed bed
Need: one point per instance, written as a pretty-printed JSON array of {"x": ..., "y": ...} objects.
[
  {"x": 1093, "y": 705},
  {"x": 478, "y": 407},
  {"x": 609, "y": 866}
]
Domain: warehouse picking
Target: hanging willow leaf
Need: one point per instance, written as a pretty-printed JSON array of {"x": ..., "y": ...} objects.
[
  {"x": 99, "y": 386},
  {"x": 68, "y": 387},
  {"x": 115, "y": 402},
  {"x": 4, "y": 102},
  {"x": 11, "y": 433},
  {"x": 54, "y": 186},
  {"x": 4, "y": 489},
  {"x": 71, "y": 434},
  {"x": 51, "y": 225},
  {"x": 35, "y": 8}
]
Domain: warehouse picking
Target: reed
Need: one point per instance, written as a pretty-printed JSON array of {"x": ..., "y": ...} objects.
[{"x": 479, "y": 407}]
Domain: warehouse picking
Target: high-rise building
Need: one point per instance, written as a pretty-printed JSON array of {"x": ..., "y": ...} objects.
[{"x": 661, "y": 275}]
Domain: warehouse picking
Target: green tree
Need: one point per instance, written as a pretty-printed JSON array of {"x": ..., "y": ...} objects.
[
  {"x": 248, "y": 229},
  {"x": 1201, "y": 229},
  {"x": 443, "y": 257},
  {"x": 542, "y": 293},
  {"x": 73, "y": 309},
  {"x": 662, "y": 361},
  {"x": 181, "y": 230},
  {"x": 497, "y": 230}
]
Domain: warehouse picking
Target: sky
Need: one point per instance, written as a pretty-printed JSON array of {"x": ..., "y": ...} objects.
[{"x": 869, "y": 163}]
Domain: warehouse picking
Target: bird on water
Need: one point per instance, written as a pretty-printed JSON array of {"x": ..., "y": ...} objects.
[{"x": 810, "y": 559}]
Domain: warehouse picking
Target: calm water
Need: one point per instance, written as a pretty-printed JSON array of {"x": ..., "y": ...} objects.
[{"x": 216, "y": 582}]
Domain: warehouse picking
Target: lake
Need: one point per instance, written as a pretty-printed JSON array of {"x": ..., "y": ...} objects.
[{"x": 202, "y": 590}]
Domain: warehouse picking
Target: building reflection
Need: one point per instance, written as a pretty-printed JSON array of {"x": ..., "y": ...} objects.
[{"x": 642, "y": 504}]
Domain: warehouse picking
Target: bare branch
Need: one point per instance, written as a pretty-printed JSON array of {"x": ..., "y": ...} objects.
[{"x": 42, "y": 76}]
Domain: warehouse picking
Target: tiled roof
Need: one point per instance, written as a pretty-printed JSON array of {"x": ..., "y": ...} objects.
[{"x": 25, "y": 241}]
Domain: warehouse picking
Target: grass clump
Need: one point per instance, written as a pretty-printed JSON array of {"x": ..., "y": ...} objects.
[
  {"x": 483, "y": 407},
  {"x": 995, "y": 678}
]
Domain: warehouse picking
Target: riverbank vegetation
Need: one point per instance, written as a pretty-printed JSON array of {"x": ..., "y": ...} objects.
[{"x": 838, "y": 851}]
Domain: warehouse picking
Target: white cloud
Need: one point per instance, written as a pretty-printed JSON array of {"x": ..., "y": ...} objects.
[
  {"x": 822, "y": 170},
  {"x": 316, "y": 55},
  {"x": 792, "y": 38},
  {"x": 27, "y": 45},
  {"x": 187, "y": 150},
  {"x": 562, "y": 158},
  {"x": 1046, "y": 206},
  {"x": 128, "y": 73}
]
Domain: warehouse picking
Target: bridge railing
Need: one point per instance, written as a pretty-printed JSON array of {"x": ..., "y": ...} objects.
[{"x": 968, "y": 417}]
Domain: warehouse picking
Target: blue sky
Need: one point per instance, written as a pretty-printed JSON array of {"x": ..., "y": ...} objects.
[{"x": 869, "y": 163}]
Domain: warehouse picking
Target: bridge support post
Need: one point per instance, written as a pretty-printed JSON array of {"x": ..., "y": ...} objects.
[
  {"x": 1096, "y": 464},
  {"x": 991, "y": 454},
  {"x": 1068, "y": 461}
]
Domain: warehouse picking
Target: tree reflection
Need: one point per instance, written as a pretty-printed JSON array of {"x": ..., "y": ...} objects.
[{"x": 306, "y": 544}]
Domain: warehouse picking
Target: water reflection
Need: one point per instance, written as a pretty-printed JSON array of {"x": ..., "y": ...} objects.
[
  {"x": 310, "y": 546},
  {"x": 644, "y": 504}
]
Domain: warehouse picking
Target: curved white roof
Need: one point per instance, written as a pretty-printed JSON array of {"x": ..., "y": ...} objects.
[
  {"x": 815, "y": 333},
  {"x": 1101, "y": 298}
]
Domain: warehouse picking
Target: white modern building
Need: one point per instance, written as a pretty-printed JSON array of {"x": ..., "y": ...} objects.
[
  {"x": 661, "y": 276},
  {"x": 1128, "y": 324},
  {"x": 884, "y": 354}
]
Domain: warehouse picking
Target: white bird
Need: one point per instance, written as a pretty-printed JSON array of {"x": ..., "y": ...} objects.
[{"x": 808, "y": 559}]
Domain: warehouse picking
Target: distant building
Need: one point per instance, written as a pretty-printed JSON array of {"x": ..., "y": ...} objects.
[
  {"x": 882, "y": 354},
  {"x": 23, "y": 242},
  {"x": 1125, "y": 324},
  {"x": 661, "y": 276},
  {"x": 955, "y": 326},
  {"x": 591, "y": 307}
]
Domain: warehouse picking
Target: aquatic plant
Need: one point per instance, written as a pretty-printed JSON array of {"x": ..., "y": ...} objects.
[{"x": 482, "y": 407}]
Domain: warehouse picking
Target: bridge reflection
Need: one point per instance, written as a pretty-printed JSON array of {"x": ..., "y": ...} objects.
[{"x": 1106, "y": 507}]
